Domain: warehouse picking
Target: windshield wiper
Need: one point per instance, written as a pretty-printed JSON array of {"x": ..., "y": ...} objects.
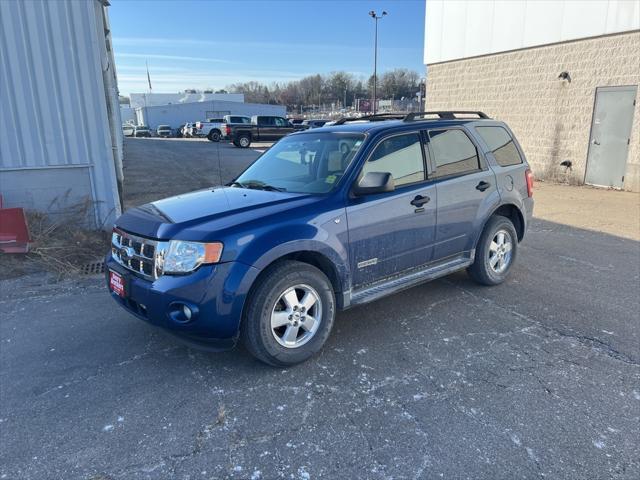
[{"x": 257, "y": 185}]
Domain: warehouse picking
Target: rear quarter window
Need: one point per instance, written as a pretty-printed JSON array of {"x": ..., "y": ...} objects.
[
  {"x": 453, "y": 152},
  {"x": 501, "y": 145}
]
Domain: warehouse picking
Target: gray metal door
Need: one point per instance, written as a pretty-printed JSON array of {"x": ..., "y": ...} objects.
[{"x": 610, "y": 133}]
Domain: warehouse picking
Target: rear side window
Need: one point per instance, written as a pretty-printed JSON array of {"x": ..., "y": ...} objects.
[
  {"x": 453, "y": 152},
  {"x": 401, "y": 156},
  {"x": 266, "y": 121},
  {"x": 501, "y": 145}
]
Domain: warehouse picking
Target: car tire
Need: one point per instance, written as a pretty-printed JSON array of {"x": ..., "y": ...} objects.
[
  {"x": 274, "y": 329},
  {"x": 214, "y": 136},
  {"x": 244, "y": 141},
  {"x": 496, "y": 252}
]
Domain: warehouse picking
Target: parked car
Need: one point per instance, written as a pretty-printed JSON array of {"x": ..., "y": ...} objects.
[
  {"x": 296, "y": 123},
  {"x": 262, "y": 128},
  {"x": 164, "y": 131},
  {"x": 128, "y": 129},
  {"x": 307, "y": 124},
  {"x": 323, "y": 221},
  {"x": 141, "y": 131},
  {"x": 212, "y": 129},
  {"x": 229, "y": 121},
  {"x": 179, "y": 131}
]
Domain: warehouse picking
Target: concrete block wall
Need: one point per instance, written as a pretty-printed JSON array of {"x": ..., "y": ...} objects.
[{"x": 550, "y": 117}]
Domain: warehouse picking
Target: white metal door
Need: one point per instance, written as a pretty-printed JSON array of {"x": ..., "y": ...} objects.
[{"x": 610, "y": 136}]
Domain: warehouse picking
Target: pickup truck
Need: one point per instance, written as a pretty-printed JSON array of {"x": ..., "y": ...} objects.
[
  {"x": 212, "y": 129},
  {"x": 229, "y": 121},
  {"x": 326, "y": 220},
  {"x": 262, "y": 128}
]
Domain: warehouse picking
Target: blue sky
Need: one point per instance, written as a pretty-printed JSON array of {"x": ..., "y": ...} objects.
[{"x": 202, "y": 44}]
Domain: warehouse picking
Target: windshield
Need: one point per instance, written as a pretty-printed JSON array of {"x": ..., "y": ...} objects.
[{"x": 303, "y": 163}]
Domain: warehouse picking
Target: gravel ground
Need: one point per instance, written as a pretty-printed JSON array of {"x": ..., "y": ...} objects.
[{"x": 539, "y": 377}]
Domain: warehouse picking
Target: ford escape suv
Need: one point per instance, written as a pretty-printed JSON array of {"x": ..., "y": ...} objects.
[{"x": 325, "y": 220}]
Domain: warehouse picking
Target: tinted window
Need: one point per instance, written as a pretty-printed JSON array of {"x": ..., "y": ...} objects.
[
  {"x": 401, "y": 156},
  {"x": 266, "y": 121},
  {"x": 501, "y": 145},
  {"x": 281, "y": 122},
  {"x": 453, "y": 152}
]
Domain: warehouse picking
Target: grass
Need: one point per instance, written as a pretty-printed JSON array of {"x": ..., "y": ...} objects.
[{"x": 61, "y": 244}]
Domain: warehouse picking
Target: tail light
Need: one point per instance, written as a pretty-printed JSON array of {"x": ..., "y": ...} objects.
[
  {"x": 227, "y": 130},
  {"x": 528, "y": 174}
]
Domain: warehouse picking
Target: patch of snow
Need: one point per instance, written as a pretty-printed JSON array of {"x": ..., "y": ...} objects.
[
  {"x": 362, "y": 351},
  {"x": 599, "y": 444},
  {"x": 531, "y": 454},
  {"x": 303, "y": 474},
  {"x": 281, "y": 407},
  {"x": 237, "y": 468},
  {"x": 107, "y": 428},
  {"x": 515, "y": 439},
  {"x": 256, "y": 475},
  {"x": 636, "y": 395}
]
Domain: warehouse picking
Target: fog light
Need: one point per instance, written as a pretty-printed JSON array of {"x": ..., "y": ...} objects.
[{"x": 186, "y": 311}]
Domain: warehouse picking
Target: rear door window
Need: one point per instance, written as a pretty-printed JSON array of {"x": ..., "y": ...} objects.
[
  {"x": 401, "y": 156},
  {"x": 453, "y": 152},
  {"x": 501, "y": 145}
]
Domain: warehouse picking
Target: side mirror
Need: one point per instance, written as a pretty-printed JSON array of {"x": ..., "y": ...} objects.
[{"x": 374, "y": 182}]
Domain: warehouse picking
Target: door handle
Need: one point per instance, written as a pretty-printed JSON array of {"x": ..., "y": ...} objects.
[
  {"x": 482, "y": 186},
  {"x": 419, "y": 200}
]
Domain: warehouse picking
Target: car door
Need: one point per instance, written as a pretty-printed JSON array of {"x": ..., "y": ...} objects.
[
  {"x": 283, "y": 127},
  {"x": 394, "y": 231},
  {"x": 266, "y": 129},
  {"x": 466, "y": 189}
]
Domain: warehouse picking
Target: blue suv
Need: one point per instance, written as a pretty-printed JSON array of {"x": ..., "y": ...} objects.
[{"x": 325, "y": 220}]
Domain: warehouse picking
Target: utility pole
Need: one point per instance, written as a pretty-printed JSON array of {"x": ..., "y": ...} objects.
[{"x": 375, "y": 16}]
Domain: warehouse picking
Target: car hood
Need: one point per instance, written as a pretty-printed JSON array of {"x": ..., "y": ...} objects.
[{"x": 219, "y": 208}]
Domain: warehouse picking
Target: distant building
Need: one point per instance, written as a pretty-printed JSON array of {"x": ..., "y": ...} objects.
[
  {"x": 61, "y": 135},
  {"x": 155, "y": 99},
  {"x": 563, "y": 74},
  {"x": 178, "y": 114}
]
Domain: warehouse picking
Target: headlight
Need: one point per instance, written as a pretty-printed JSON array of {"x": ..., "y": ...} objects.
[{"x": 184, "y": 257}]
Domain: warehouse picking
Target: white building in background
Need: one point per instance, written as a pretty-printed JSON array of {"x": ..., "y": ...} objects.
[
  {"x": 60, "y": 126},
  {"x": 178, "y": 114},
  {"x": 155, "y": 99},
  {"x": 564, "y": 74}
]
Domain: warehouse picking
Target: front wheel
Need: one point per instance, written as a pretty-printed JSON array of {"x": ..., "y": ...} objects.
[
  {"x": 290, "y": 314},
  {"x": 496, "y": 252}
]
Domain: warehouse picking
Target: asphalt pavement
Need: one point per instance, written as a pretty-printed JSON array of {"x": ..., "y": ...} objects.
[{"x": 536, "y": 378}]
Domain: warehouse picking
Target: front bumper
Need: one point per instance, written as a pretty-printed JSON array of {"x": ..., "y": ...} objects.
[{"x": 215, "y": 294}]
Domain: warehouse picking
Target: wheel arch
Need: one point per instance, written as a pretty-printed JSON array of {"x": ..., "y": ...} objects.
[
  {"x": 311, "y": 257},
  {"x": 513, "y": 213}
]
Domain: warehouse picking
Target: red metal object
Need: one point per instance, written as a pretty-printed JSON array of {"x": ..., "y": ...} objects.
[{"x": 14, "y": 232}]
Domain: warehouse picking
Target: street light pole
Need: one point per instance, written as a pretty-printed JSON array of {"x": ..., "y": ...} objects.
[{"x": 375, "y": 16}]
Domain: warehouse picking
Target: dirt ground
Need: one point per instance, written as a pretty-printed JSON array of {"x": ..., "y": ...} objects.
[{"x": 601, "y": 210}]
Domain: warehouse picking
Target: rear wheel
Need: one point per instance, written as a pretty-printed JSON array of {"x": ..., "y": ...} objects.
[
  {"x": 214, "y": 136},
  {"x": 244, "y": 141},
  {"x": 496, "y": 252},
  {"x": 289, "y": 315}
]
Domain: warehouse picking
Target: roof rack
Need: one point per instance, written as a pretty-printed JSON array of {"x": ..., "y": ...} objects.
[
  {"x": 449, "y": 115},
  {"x": 378, "y": 117}
]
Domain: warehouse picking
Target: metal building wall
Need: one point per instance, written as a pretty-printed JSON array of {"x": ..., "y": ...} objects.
[
  {"x": 180, "y": 113},
  {"x": 57, "y": 82}
]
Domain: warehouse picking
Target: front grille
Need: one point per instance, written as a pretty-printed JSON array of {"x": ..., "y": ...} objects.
[{"x": 135, "y": 253}]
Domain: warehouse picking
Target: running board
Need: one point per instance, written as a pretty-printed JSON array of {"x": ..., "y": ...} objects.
[{"x": 382, "y": 289}]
